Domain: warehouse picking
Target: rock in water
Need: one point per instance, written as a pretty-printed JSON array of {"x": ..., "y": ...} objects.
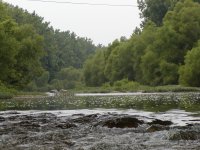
[
  {"x": 160, "y": 122},
  {"x": 185, "y": 135},
  {"x": 125, "y": 122},
  {"x": 2, "y": 119}
]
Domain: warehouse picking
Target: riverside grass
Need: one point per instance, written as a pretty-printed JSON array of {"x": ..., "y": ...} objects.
[
  {"x": 121, "y": 86},
  {"x": 131, "y": 86}
]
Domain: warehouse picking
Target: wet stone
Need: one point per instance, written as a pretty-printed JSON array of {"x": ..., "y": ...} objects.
[
  {"x": 85, "y": 119},
  {"x": 160, "y": 122},
  {"x": 78, "y": 115},
  {"x": 124, "y": 122},
  {"x": 66, "y": 125},
  {"x": 185, "y": 135},
  {"x": 13, "y": 118},
  {"x": 11, "y": 113},
  {"x": 154, "y": 128},
  {"x": 28, "y": 124},
  {"x": 26, "y": 117},
  {"x": 69, "y": 142},
  {"x": 104, "y": 131},
  {"x": 2, "y": 119}
]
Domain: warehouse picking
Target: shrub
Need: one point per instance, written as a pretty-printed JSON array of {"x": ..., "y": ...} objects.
[
  {"x": 190, "y": 72},
  {"x": 125, "y": 85},
  {"x": 6, "y": 93}
]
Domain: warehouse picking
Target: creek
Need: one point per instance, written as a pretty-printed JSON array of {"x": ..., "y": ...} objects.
[{"x": 102, "y": 122}]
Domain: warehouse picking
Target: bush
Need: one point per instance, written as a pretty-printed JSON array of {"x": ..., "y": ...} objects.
[
  {"x": 190, "y": 72},
  {"x": 6, "y": 93},
  {"x": 125, "y": 85}
]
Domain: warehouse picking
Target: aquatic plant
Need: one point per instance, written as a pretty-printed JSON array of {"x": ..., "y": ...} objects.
[{"x": 149, "y": 102}]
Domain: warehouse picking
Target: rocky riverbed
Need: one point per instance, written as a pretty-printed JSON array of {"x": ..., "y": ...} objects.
[{"x": 99, "y": 130}]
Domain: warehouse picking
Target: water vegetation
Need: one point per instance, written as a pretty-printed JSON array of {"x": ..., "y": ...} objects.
[{"x": 156, "y": 102}]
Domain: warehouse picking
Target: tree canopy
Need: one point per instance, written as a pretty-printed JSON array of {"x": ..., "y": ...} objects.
[
  {"x": 161, "y": 52},
  {"x": 30, "y": 48},
  {"x": 164, "y": 51}
]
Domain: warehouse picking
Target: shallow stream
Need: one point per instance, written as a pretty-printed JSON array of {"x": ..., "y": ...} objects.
[{"x": 102, "y": 122}]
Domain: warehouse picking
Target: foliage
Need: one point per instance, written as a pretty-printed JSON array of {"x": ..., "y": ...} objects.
[
  {"x": 125, "y": 85},
  {"x": 155, "y": 10},
  {"x": 20, "y": 53},
  {"x": 165, "y": 51},
  {"x": 69, "y": 77},
  {"x": 190, "y": 72},
  {"x": 153, "y": 55},
  {"x": 5, "y": 92},
  {"x": 32, "y": 53},
  {"x": 94, "y": 69}
]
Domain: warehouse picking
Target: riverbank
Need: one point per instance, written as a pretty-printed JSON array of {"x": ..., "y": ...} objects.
[
  {"x": 6, "y": 93},
  {"x": 137, "y": 88}
]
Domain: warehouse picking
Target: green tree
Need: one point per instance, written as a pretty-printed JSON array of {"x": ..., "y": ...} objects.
[
  {"x": 93, "y": 69},
  {"x": 155, "y": 10},
  {"x": 169, "y": 72},
  {"x": 9, "y": 47},
  {"x": 42, "y": 80},
  {"x": 180, "y": 31},
  {"x": 150, "y": 69},
  {"x": 62, "y": 49},
  {"x": 3, "y": 12},
  {"x": 28, "y": 64},
  {"x": 185, "y": 20},
  {"x": 190, "y": 72},
  {"x": 70, "y": 77}
]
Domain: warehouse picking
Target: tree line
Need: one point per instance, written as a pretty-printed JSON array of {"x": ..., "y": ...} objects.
[
  {"x": 165, "y": 50},
  {"x": 35, "y": 56}
]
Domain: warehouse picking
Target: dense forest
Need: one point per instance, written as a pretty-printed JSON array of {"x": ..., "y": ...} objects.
[
  {"x": 34, "y": 56},
  {"x": 164, "y": 50}
]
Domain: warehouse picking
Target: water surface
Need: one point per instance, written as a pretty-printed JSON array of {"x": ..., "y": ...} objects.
[{"x": 75, "y": 122}]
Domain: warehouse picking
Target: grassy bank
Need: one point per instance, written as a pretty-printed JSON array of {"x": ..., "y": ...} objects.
[
  {"x": 9, "y": 93},
  {"x": 118, "y": 86},
  {"x": 130, "y": 86}
]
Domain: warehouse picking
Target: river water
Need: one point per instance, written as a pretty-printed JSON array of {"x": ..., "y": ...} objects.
[{"x": 118, "y": 121}]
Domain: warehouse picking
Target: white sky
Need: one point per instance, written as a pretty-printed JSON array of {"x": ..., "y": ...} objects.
[{"x": 102, "y": 24}]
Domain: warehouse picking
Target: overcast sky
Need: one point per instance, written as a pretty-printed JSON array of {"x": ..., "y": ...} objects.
[{"x": 102, "y": 24}]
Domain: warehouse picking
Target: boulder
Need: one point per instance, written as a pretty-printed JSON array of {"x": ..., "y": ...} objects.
[
  {"x": 2, "y": 119},
  {"x": 124, "y": 122},
  {"x": 160, "y": 122},
  {"x": 185, "y": 135}
]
